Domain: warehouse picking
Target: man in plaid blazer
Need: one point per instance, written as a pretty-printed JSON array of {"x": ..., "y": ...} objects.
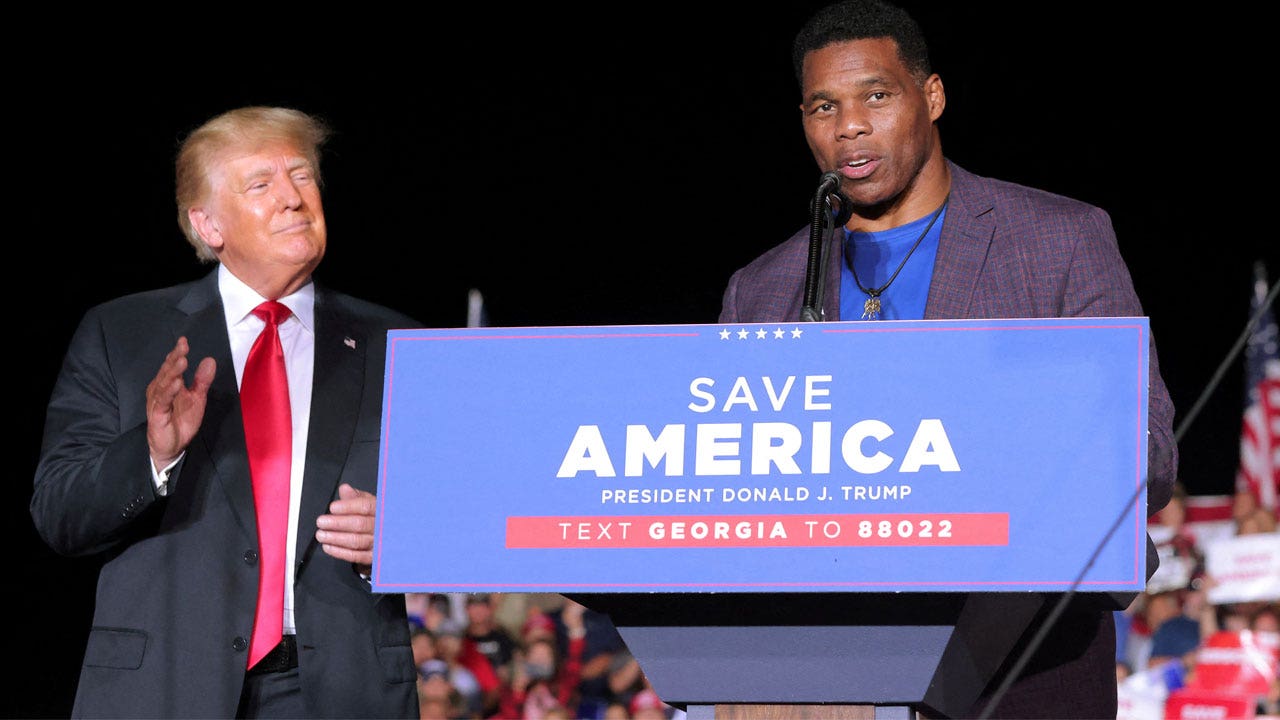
[{"x": 928, "y": 239}]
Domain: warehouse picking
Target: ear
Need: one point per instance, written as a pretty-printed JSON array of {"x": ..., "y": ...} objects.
[
  {"x": 206, "y": 227},
  {"x": 935, "y": 95}
]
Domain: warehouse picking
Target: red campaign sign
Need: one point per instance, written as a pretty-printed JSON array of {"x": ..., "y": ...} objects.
[
  {"x": 1242, "y": 662},
  {"x": 1192, "y": 704},
  {"x": 740, "y": 531}
]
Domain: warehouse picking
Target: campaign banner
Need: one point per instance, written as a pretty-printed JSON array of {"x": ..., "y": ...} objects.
[
  {"x": 953, "y": 455},
  {"x": 1189, "y": 704},
  {"x": 1241, "y": 661},
  {"x": 1243, "y": 568}
]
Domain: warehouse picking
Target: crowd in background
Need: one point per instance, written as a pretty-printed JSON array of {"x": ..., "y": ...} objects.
[
  {"x": 536, "y": 656},
  {"x": 1161, "y": 638},
  {"x": 524, "y": 656}
]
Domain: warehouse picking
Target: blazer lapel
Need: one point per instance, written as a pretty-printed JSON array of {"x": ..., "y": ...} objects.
[
  {"x": 336, "y": 390},
  {"x": 222, "y": 430},
  {"x": 962, "y": 250},
  {"x": 834, "y": 268}
]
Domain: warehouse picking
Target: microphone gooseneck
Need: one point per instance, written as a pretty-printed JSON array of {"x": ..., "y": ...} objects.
[{"x": 820, "y": 216}]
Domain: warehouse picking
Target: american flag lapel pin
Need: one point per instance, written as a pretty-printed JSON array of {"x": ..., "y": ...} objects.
[{"x": 349, "y": 342}]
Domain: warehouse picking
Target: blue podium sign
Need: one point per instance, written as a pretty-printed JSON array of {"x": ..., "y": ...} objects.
[{"x": 925, "y": 456}]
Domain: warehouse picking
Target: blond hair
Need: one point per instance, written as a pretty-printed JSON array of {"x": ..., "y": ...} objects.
[{"x": 246, "y": 126}]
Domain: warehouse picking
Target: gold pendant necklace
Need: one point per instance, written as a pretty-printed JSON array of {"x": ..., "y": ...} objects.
[{"x": 871, "y": 308}]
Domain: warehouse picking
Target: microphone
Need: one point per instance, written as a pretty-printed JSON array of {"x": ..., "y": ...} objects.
[
  {"x": 829, "y": 188},
  {"x": 823, "y": 216},
  {"x": 829, "y": 183}
]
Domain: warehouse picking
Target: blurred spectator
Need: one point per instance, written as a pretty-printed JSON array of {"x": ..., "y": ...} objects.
[
  {"x": 1152, "y": 610},
  {"x": 625, "y": 677},
  {"x": 415, "y": 607},
  {"x": 1232, "y": 620},
  {"x": 1176, "y": 639},
  {"x": 539, "y": 682},
  {"x": 1196, "y": 605},
  {"x": 1258, "y": 520},
  {"x": 537, "y": 626},
  {"x": 1243, "y": 504},
  {"x": 1124, "y": 628},
  {"x": 511, "y": 609},
  {"x": 489, "y": 637},
  {"x": 646, "y": 705},
  {"x": 1175, "y": 535},
  {"x": 541, "y": 677},
  {"x": 602, "y": 644},
  {"x": 423, "y": 642},
  {"x": 437, "y": 610},
  {"x": 469, "y": 671},
  {"x": 438, "y": 699},
  {"x": 435, "y": 707},
  {"x": 1266, "y": 619},
  {"x": 616, "y": 711},
  {"x": 1269, "y": 705}
]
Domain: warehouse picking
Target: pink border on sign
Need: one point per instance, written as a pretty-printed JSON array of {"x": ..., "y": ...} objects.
[{"x": 1139, "y": 545}]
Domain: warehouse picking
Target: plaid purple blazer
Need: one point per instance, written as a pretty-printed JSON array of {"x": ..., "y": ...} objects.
[{"x": 1008, "y": 251}]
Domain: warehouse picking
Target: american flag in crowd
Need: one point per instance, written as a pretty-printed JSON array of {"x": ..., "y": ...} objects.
[{"x": 1259, "y": 470}]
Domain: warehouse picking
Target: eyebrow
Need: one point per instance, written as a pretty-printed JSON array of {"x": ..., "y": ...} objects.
[
  {"x": 861, "y": 84},
  {"x": 267, "y": 170},
  {"x": 259, "y": 172}
]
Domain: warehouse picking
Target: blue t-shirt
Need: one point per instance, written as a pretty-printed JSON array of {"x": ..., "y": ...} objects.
[{"x": 876, "y": 255}]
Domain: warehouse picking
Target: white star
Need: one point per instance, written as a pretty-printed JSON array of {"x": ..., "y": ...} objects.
[
  {"x": 796, "y": 332},
  {"x": 777, "y": 334},
  {"x": 761, "y": 333},
  {"x": 724, "y": 334},
  {"x": 742, "y": 334}
]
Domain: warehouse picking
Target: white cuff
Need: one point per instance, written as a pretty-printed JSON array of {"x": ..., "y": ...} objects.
[{"x": 161, "y": 477}]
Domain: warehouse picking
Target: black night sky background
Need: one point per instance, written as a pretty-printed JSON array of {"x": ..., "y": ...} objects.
[{"x": 607, "y": 166}]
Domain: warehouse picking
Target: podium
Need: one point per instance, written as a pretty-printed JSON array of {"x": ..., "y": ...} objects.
[
  {"x": 790, "y": 655},
  {"x": 774, "y": 533}
]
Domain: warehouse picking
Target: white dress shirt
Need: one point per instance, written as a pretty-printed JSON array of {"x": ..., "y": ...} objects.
[{"x": 297, "y": 336}]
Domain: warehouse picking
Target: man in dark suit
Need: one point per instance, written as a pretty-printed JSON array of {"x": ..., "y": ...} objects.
[
  {"x": 927, "y": 239},
  {"x": 151, "y": 458}
]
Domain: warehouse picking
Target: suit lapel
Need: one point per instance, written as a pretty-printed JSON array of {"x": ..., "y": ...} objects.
[
  {"x": 962, "y": 249},
  {"x": 833, "y": 269},
  {"x": 336, "y": 391},
  {"x": 222, "y": 430}
]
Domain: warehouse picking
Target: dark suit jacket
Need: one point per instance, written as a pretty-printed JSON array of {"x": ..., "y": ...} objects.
[
  {"x": 176, "y": 593},
  {"x": 1008, "y": 251}
]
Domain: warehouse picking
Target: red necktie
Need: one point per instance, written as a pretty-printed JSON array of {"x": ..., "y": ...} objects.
[{"x": 268, "y": 436}]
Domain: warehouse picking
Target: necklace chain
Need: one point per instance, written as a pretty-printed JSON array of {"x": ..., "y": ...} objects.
[{"x": 871, "y": 308}]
